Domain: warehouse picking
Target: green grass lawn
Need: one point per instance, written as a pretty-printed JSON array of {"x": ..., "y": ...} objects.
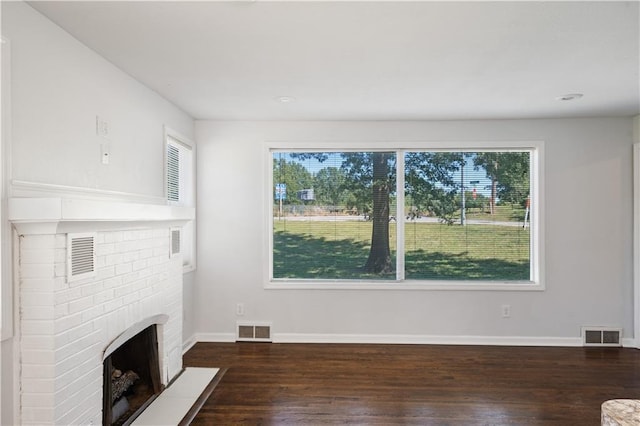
[
  {"x": 338, "y": 250},
  {"x": 503, "y": 213}
]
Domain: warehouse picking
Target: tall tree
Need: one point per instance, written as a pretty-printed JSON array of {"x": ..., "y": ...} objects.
[
  {"x": 329, "y": 186},
  {"x": 429, "y": 181},
  {"x": 509, "y": 174},
  {"x": 490, "y": 161},
  {"x": 379, "y": 260},
  {"x": 370, "y": 175}
]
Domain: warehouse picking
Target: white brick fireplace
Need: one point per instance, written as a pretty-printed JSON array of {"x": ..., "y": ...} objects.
[{"x": 65, "y": 326}]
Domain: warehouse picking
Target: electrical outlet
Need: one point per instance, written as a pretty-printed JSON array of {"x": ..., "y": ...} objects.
[
  {"x": 240, "y": 309},
  {"x": 506, "y": 311},
  {"x": 104, "y": 152}
]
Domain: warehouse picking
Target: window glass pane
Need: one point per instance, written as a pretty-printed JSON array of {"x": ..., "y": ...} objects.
[
  {"x": 467, "y": 216},
  {"x": 333, "y": 215}
]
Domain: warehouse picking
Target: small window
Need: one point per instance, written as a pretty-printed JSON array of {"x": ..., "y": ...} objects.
[
  {"x": 180, "y": 190},
  {"x": 180, "y": 168}
]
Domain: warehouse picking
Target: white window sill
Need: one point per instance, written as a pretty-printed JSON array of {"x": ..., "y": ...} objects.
[{"x": 404, "y": 285}]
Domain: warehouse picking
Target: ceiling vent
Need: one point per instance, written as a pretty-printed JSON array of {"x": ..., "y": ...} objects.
[
  {"x": 253, "y": 332},
  {"x": 601, "y": 336},
  {"x": 81, "y": 256}
]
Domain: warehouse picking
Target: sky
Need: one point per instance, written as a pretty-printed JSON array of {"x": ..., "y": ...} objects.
[{"x": 483, "y": 185}]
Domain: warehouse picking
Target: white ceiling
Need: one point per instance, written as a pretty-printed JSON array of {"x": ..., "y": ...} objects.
[{"x": 370, "y": 60}]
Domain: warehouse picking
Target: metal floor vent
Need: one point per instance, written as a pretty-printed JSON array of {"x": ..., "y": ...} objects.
[
  {"x": 601, "y": 336},
  {"x": 253, "y": 332}
]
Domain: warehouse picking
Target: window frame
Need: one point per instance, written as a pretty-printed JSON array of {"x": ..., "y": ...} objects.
[
  {"x": 537, "y": 222},
  {"x": 188, "y": 230}
]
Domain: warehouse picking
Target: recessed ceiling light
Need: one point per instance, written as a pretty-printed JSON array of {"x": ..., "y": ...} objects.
[
  {"x": 569, "y": 97},
  {"x": 285, "y": 99}
]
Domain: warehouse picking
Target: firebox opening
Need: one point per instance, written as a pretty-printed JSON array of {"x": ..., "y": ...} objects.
[{"x": 131, "y": 379}]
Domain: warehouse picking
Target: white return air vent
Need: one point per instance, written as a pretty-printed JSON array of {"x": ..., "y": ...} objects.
[
  {"x": 81, "y": 256},
  {"x": 253, "y": 332},
  {"x": 176, "y": 234},
  {"x": 601, "y": 336}
]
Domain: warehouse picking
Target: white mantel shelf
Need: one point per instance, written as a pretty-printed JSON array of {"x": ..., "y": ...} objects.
[{"x": 61, "y": 215}]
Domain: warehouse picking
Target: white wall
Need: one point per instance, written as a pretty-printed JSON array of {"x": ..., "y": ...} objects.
[
  {"x": 588, "y": 240},
  {"x": 58, "y": 87}
]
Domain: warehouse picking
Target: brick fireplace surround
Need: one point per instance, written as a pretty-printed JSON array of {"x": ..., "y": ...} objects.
[{"x": 65, "y": 326}]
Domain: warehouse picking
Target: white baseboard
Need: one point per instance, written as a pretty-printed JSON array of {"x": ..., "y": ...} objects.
[
  {"x": 402, "y": 339},
  {"x": 188, "y": 344},
  {"x": 427, "y": 340},
  {"x": 215, "y": 337}
]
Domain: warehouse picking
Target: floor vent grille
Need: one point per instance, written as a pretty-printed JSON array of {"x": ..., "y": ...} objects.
[
  {"x": 601, "y": 336},
  {"x": 253, "y": 332}
]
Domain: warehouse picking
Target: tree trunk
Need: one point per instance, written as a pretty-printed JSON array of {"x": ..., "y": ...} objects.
[{"x": 379, "y": 260}]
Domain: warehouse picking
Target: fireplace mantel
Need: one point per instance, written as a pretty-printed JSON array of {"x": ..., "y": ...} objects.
[{"x": 62, "y": 215}]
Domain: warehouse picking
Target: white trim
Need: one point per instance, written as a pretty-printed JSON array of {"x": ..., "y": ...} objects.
[
  {"x": 215, "y": 337},
  {"x": 21, "y": 188},
  {"x": 636, "y": 240},
  {"x": 402, "y": 339},
  {"x": 267, "y": 207},
  {"x": 402, "y": 285},
  {"x": 399, "y": 213},
  {"x": 62, "y": 215},
  {"x": 6, "y": 263},
  {"x": 189, "y": 343},
  {"x": 373, "y": 146},
  {"x": 537, "y": 226},
  {"x": 399, "y": 339}
]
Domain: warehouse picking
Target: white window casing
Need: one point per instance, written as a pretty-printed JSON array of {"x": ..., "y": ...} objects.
[{"x": 535, "y": 217}]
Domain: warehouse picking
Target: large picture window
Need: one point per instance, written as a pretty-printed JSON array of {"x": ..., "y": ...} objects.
[{"x": 445, "y": 217}]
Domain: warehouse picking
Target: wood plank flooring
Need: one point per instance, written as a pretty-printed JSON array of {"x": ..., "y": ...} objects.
[{"x": 313, "y": 384}]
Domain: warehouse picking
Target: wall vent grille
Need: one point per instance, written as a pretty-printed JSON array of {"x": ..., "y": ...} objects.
[
  {"x": 175, "y": 241},
  {"x": 601, "y": 336},
  {"x": 253, "y": 332},
  {"x": 81, "y": 256}
]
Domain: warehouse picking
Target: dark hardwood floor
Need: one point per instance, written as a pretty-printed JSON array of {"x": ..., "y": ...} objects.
[{"x": 311, "y": 384}]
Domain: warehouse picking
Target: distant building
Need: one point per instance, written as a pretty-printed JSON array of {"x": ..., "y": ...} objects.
[{"x": 306, "y": 195}]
